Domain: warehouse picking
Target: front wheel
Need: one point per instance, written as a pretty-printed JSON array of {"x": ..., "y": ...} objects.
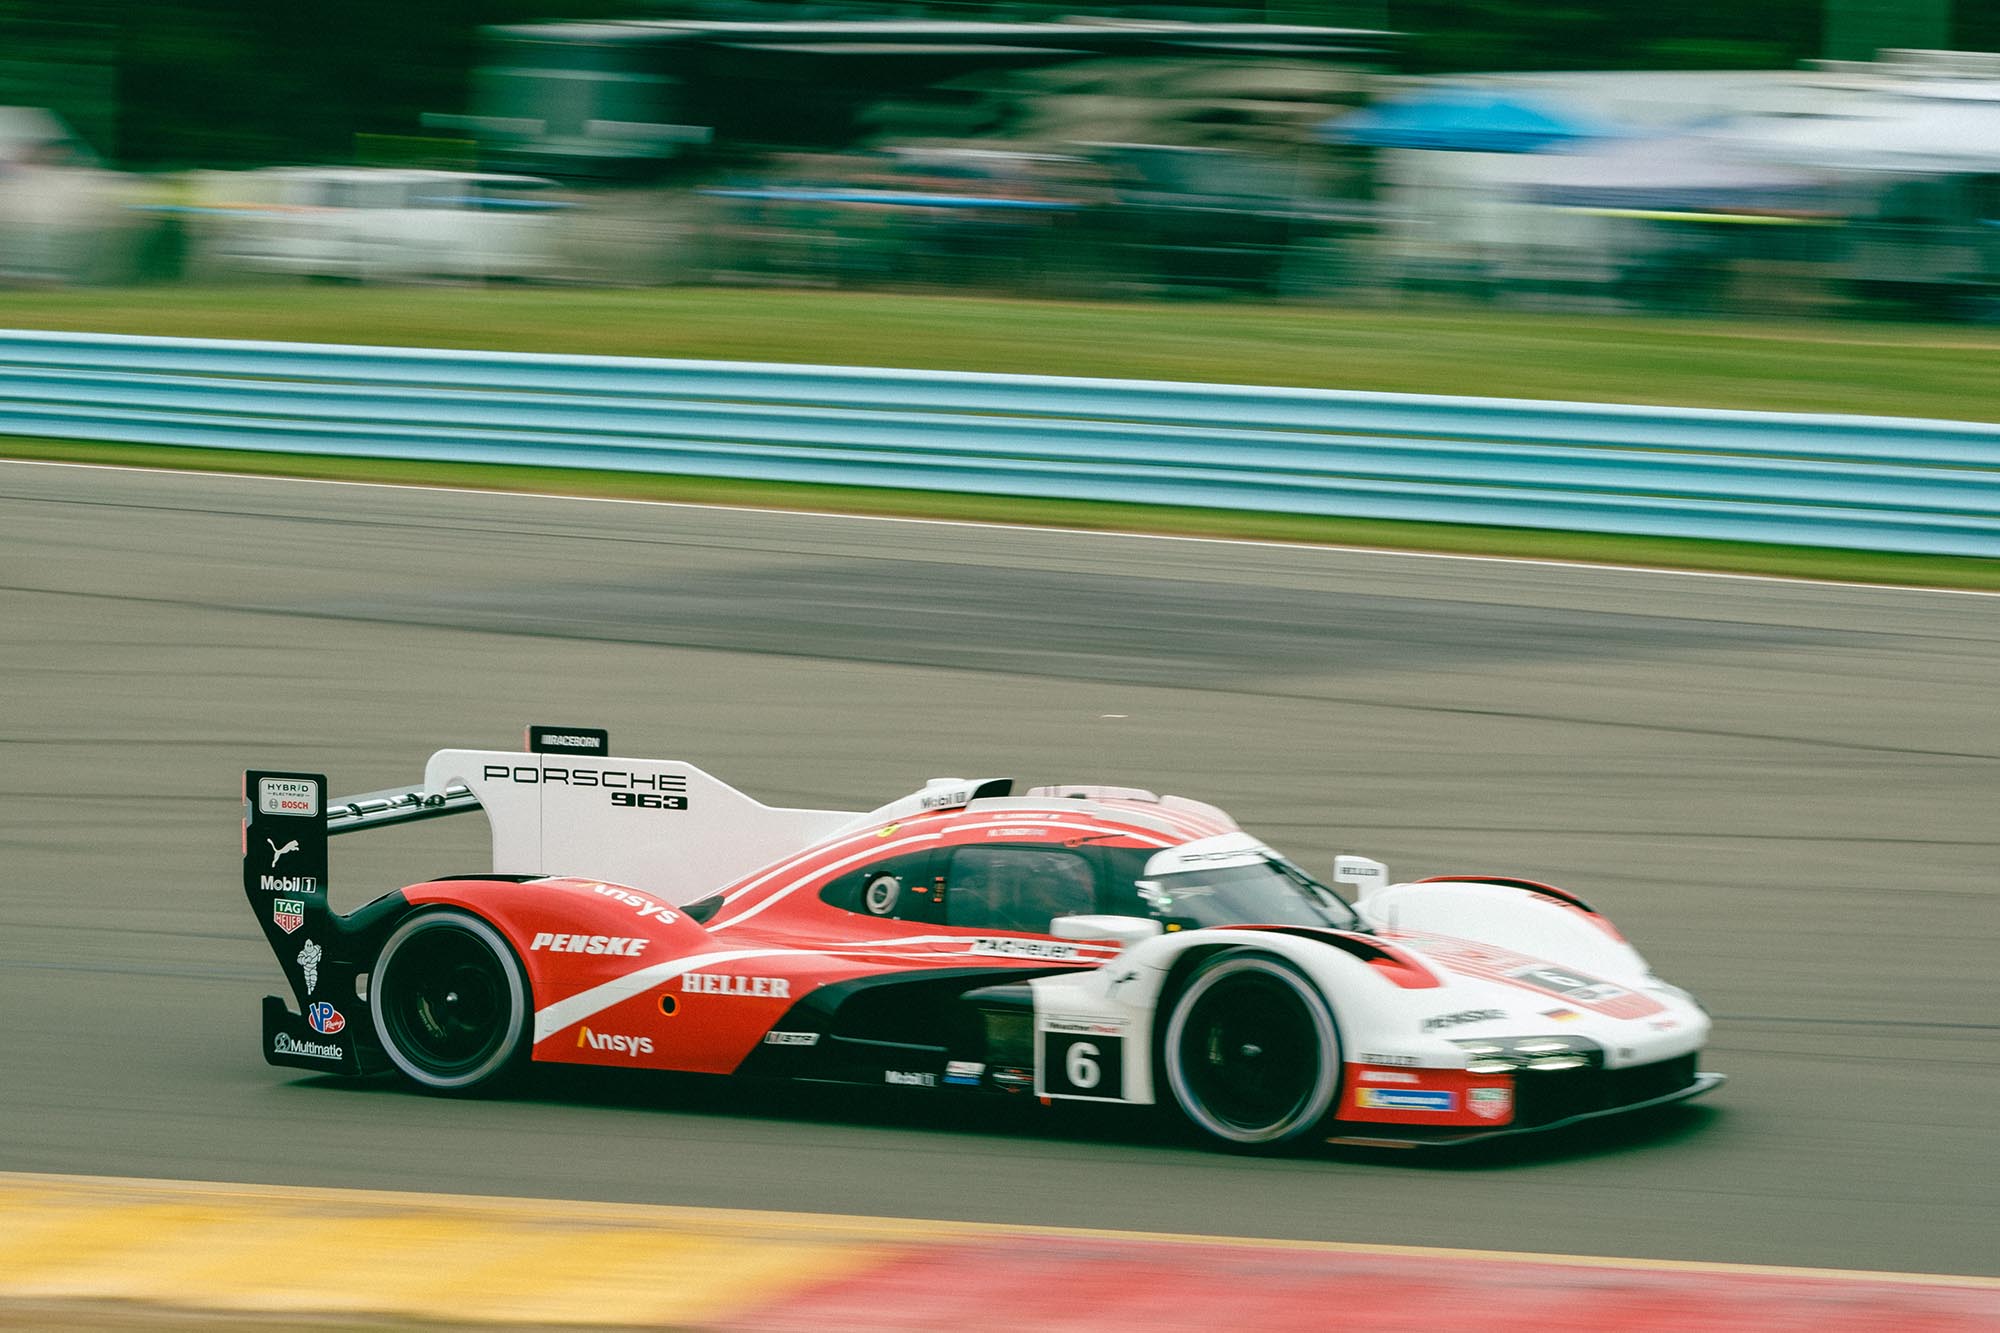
[
  {"x": 450, "y": 1002},
  {"x": 1250, "y": 1052}
]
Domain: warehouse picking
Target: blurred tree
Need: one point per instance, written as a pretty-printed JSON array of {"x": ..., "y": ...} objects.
[
  {"x": 155, "y": 83},
  {"x": 62, "y": 57},
  {"x": 220, "y": 82},
  {"x": 1456, "y": 35},
  {"x": 1857, "y": 29}
]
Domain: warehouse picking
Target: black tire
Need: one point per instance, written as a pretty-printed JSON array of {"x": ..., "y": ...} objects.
[
  {"x": 1250, "y": 1054},
  {"x": 450, "y": 1002}
]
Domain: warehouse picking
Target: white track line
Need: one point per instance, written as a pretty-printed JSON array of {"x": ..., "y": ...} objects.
[{"x": 1263, "y": 543}]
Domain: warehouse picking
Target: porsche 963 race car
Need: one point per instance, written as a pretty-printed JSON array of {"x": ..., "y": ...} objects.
[{"x": 1072, "y": 942}]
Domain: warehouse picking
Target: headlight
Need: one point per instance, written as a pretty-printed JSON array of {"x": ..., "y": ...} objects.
[{"x": 1506, "y": 1055}]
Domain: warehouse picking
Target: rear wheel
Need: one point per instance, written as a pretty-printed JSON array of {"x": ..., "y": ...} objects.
[
  {"x": 1250, "y": 1053},
  {"x": 450, "y": 1002}
]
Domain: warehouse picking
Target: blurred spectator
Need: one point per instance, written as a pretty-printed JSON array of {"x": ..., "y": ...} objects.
[
  {"x": 385, "y": 224},
  {"x": 59, "y": 210}
]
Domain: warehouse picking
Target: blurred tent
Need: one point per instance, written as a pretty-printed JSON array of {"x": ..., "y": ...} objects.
[
  {"x": 1265, "y": 105},
  {"x": 33, "y": 134},
  {"x": 1676, "y": 173},
  {"x": 1466, "y": 120},
  {"x": 1938, "y": 133}
]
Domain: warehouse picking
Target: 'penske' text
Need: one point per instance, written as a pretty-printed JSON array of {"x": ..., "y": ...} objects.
[{"x": 618, "y": 944}]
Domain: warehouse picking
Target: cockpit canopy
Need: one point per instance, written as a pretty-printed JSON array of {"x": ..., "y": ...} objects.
[{"x": 1234, "y": 880}]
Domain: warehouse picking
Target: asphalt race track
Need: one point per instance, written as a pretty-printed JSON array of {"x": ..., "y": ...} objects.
[{"x": 1785, "y": 793}]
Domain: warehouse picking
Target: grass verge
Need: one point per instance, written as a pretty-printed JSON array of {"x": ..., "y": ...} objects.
[
  {"x": 1825, "y": 366},
  {"x": 1722, "y": 557}
]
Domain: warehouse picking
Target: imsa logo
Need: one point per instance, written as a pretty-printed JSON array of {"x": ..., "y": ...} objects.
[{"x": 618, "y": 1044}]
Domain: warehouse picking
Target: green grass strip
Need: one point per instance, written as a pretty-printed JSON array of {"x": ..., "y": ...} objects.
[
  {"x": 1672, "y": 553},
  {"x": 1827, "y": 366}
]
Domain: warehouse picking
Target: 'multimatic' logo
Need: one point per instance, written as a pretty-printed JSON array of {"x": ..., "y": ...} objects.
[{"x": 286, "y": 1044}]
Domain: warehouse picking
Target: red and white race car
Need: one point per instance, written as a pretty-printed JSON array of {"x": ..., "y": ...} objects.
[{"x": 1092, "y": 943}]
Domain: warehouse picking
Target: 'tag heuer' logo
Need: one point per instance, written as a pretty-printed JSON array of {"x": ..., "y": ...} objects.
[
  {"x": 606, "y": 1041},
  {"x": 288, "y": 913},
  {"x": 1009, "y": 947}
]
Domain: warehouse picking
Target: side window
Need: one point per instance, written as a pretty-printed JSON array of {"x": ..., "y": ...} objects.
[
  {"x": 1016, "y": 888},
  {"x": 1125, "y": 867},
  {"x": 896, "y": 888}
]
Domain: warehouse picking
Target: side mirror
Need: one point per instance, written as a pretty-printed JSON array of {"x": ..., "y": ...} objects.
[
  {"x": 1127, "y": 930},
  {"x": 1365, "y": 875}
]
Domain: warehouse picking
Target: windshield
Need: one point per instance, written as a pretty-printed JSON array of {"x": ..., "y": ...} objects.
[{"x": 1266, "y": 893}]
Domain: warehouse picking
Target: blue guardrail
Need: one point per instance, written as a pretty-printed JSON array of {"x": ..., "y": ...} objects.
[{"x": 1866, "y": 483}]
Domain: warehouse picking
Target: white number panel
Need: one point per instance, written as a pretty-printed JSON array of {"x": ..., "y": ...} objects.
[{"x": 1081, "y": 1064}]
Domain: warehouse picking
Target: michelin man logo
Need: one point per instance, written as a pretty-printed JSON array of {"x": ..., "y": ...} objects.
[{"x": 309, "y": 963}]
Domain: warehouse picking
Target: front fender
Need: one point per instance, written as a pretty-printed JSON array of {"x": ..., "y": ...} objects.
[
  {"x": 1512, "y": 916},
  {"x": 1121, "y": 1000}
]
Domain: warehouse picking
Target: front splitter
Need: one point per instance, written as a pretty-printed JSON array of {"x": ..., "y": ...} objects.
[{"x": 1704, "y": 1082}]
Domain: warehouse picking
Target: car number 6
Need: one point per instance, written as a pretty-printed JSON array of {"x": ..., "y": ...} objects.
[{"x": 1080, "y": 1065}]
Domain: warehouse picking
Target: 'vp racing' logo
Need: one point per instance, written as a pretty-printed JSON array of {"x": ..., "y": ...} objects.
[{"x": 277, "y": 851}]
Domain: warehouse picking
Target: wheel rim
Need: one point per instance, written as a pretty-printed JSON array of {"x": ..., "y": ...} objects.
[
  {"x": 446, "y": 1001},
  {"x": 1249, "y": 1053}
]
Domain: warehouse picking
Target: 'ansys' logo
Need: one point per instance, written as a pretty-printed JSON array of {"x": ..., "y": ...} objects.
[{"x": 604, "y": 1041}]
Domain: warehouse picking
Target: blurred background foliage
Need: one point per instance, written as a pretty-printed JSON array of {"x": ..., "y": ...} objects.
[{"x": 171, "y": 83}]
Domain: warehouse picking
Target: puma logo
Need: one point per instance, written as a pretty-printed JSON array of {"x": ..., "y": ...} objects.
[{"x": 277, "y": 851}]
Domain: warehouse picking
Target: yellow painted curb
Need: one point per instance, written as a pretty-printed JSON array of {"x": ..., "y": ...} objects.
[
  {"x": 469, "y": 1258},
  {"x": 268, "y": 1250}
]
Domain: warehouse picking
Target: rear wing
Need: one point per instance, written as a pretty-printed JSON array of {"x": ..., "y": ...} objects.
[
  {"x": 397, "y": 805},
  {"x": 567, "y": 806},
  {"x": 663, "y": 826}
]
